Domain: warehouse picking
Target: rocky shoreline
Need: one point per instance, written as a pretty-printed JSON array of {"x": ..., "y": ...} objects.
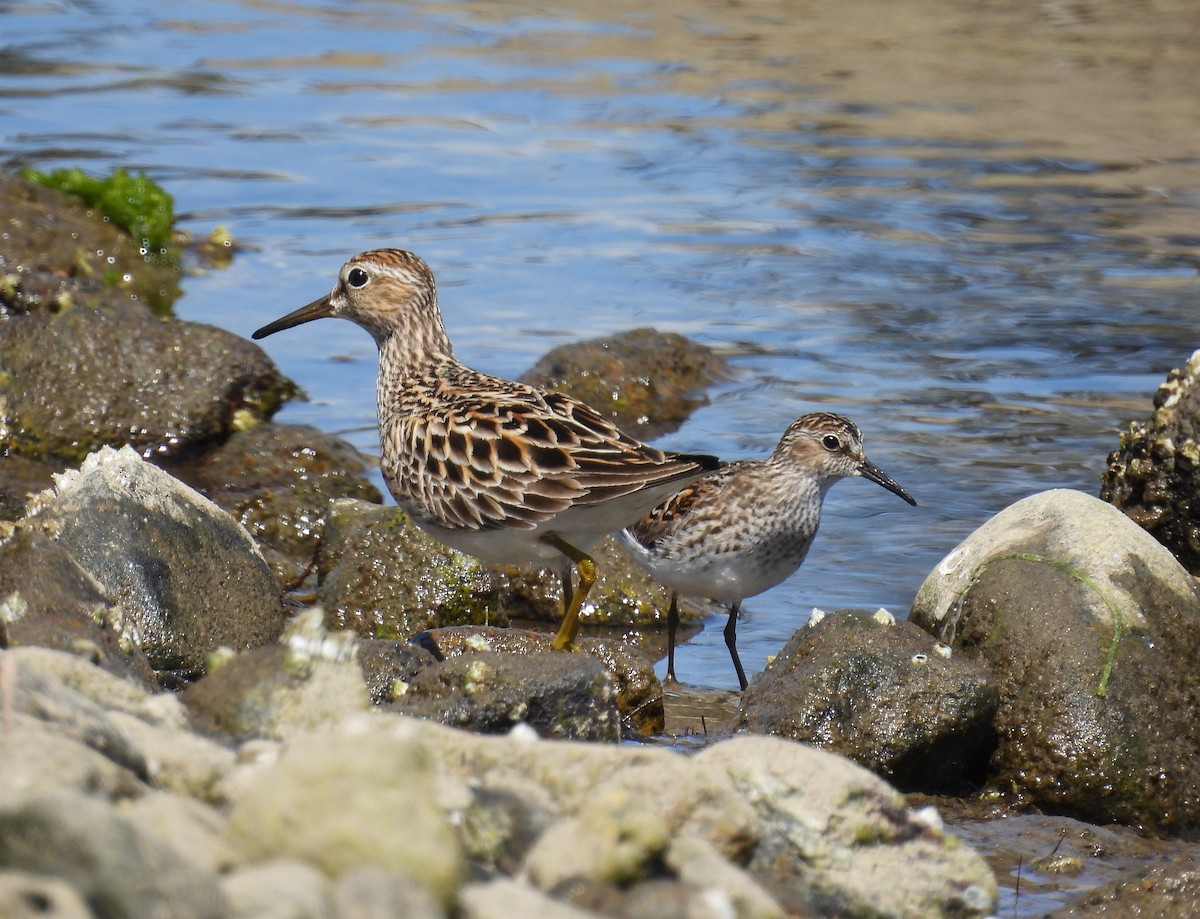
[{"x": 235, "y": 684}]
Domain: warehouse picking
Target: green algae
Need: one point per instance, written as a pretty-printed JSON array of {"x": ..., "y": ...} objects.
[{"x": 135, "y": 203}]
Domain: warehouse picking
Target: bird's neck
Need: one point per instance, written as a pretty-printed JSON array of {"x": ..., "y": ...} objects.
[{"x": 410, "y": 350}]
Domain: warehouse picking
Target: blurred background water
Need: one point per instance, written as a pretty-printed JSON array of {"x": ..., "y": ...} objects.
[{"x": 973, "y": 228}]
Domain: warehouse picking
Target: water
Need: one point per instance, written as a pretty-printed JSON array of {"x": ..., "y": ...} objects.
[{"x": 971, "y": 230}]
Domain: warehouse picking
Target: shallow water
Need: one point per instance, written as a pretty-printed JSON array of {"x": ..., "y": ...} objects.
[{"x": 972, "y": 230}]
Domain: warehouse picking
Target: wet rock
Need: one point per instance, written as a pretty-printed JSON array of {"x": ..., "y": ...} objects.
[
  {"x": 49, "y": 601},
  {"x": 388, "y": 665},
  {"x": 1160, "y": 891},
  {"x": 638, "y": 691},
  {"x": 119, "y": 869},
  {"x": 187, "y": 578},
  {"x": 381, "y": 576},
  {"x": 307, "y": 681},
  {"x": 278, "y": 481},
  {"x": 879, "y": 692},
  {"x": 58, "y": 254},
  {"x": 340, "y": 803},
  {"x": 1154, "y": 475},
  {"x": 559, "y": 695},
  {"x": 1051, "y": 861},
  {"x": 75, "y": 382},
  {"x": 647, "y": 381},
  {"x": 1086, "y": 623},
  {"x": 19, "y": 479},
  {"x": 25, "y": 895}
]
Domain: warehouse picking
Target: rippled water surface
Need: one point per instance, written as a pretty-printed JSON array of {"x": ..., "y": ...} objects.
[{"x": 973, "y": 230}]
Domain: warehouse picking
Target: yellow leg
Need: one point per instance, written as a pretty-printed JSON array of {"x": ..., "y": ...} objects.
[{"x": 565, "y": 639}]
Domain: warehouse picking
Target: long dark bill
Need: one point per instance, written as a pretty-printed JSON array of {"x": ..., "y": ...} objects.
[
  {"x": 869, "y": 470},
  {"x": 318, "y": 309}
]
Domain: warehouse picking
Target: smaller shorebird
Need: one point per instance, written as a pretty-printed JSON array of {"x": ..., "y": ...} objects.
[
  {"x": 497, "y": 469},
  {"x": 744, "y": 528}
]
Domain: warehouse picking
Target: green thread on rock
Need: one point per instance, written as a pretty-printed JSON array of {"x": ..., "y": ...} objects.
[{"x": 1118, "y": 623}]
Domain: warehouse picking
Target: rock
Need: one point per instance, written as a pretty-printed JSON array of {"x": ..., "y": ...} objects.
[
  {"x": 187, "y": 577},
  {"x": 167, "y": 389},
  {"x": 50, "y": 601},
  {"x": 24, "y": 895},
  {"x": 279, "y": 889},
  {"x": 178, "y": 760},
  {"x": 1155, "y": 473},
  {"x": 307, "y": 682},
  {"x": 388, "y": 666},
  {"x": 121, "y": 871},
  {"x": 883, "y": 695},
  {"x": 63, "y": 256},
  {"x": 68, "y": 713},
  {"x": 37, "y": 760},
  {"x": 647, "y": 381},
  {"x": 381, "y": 576},
  {"x": 568, "y": 696},
  {"x": 498, "y": 827},
  {"x": 192, "y": 827},
  {"x": 808, "y": 828},
  {"x": 1159, "y": 891},
  {"x": 836, "y": 840},
  {"x": 343, "y": 804},
  {"x": 375, "y": 894},
  {"x": 384, "y": 578},
  {"x": 1086, "y": 623},
  {"x": 615, "y": 840},
  {"x": 504, "y": 898},
  {"x": 702, "y": 868},
  {"x": 638, "y": 691},
  {"x": 99, "y": 687},
  {"x": 278, "y": 481},
  {"x": 19, "y": 478}
]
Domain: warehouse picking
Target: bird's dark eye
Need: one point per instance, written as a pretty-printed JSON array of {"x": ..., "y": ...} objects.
[
  {"x": 357, "y": 277},
  {"x": 830, "y": 442}
]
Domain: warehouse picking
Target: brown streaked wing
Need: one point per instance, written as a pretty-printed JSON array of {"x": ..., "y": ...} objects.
[
  {"x": 524, "y": 457},
  {"x": 681, "y": 509}
]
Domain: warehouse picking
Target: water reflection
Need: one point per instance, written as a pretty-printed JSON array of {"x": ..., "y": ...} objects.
[{"x": 971, "y": 228}]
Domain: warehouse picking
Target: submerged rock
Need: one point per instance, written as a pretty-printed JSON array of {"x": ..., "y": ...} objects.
[
  {"x": 1154, "y": 476},
  {"x": 182, "y": 575},
  {"x": 1087, "y": 625},
  {"x": 883, "y": 694}
]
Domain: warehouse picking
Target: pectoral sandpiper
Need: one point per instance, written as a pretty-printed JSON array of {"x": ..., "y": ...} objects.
[
  {"x": 744, "y": 528},
  {"x": 497, "y": 469}
]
